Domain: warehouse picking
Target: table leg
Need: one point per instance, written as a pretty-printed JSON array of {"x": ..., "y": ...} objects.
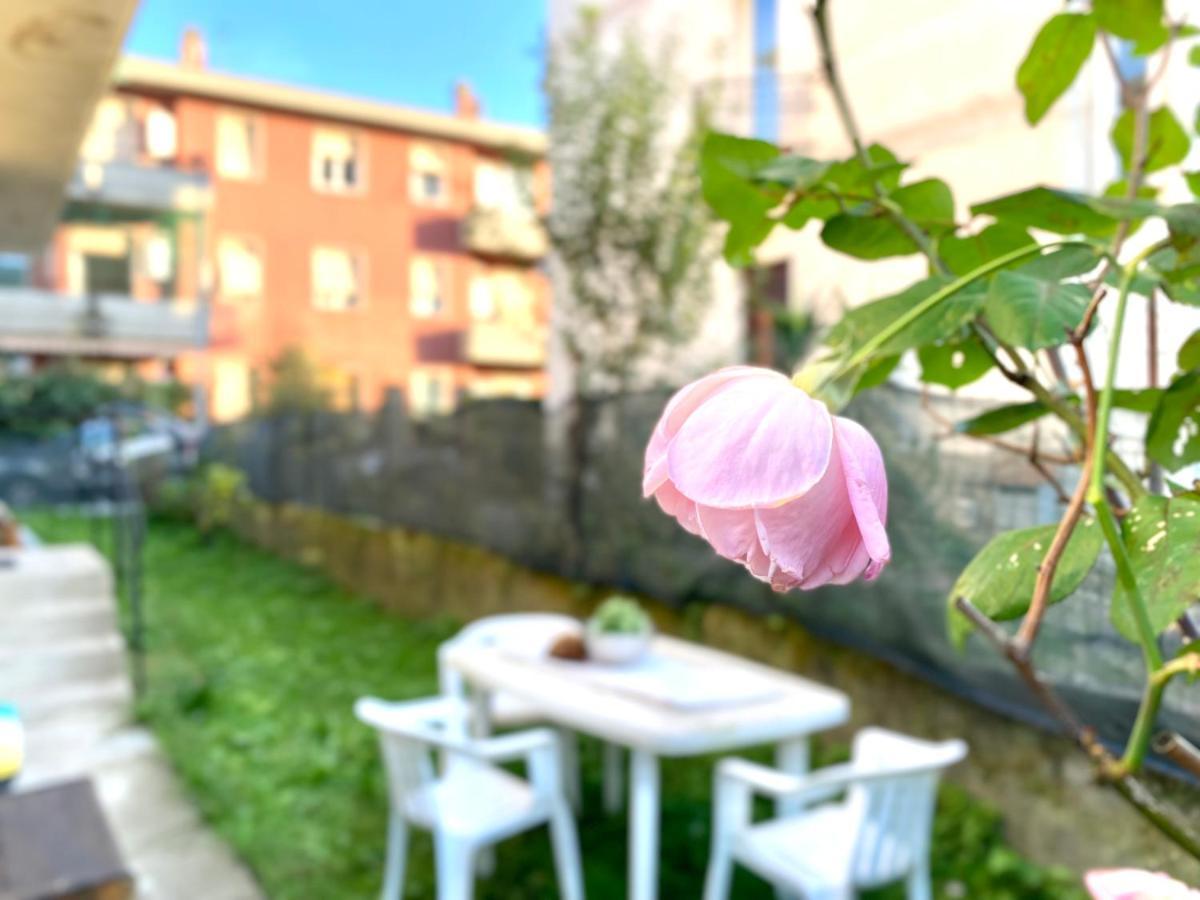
[
  {"x": 644, "y": 789},
  {"x": 791, "y": 757}
]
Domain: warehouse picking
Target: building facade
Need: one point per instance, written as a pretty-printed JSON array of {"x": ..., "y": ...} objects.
[
  {"x": 934, "y": 81},
  {"x": 394, "y": 247}
]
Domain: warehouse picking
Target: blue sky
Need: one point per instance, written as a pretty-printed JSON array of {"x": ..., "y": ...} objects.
[{"x": 403, "y": 51}]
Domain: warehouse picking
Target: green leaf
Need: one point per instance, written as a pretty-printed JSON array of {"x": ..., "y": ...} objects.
[
  {"x": 955, "y": 363},
  {"x": 966, "y": 254},
  {"x": 1001, "y": 579},
  {"x": 1189, "y": 353},
  {"x": 929, "y": 203},
  {"x": 1060, "y": 212},
  {"x": 1063, "y": 262},
  {"x": 1166, "y": 142},
  {"x": 820, "y": 190},
  {"x": 1161, "y": 536},
  {"x": 1173, "y": 432},
  {"x": 1193, "y": 178},
  {"x": 1130, "y": 19},
  {"x": 945, "y": 320},
  {"x": 728, "y": 166},
  {"x": 851, "y": 177},
  {"x": 793, "y": 172},
  {"x": 877, "y": 373},
  {"x": 1058, "y": 52},
  {"x": 1029, "y": 307},
  {"x": 1194, "y": 55},
  {"x": 1152, "y": 41},
  {"x": 866, "y": 233},
  {"x": 1176, "y": 270},
  {"x": 1142, "y": 400},
  {"x": 1002, "y": 419}
]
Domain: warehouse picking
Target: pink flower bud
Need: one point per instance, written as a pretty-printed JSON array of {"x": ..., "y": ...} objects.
[{"x": 765, "y": 474}]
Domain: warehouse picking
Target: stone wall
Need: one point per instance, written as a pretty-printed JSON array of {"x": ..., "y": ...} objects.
[{"x": 1055, "y": 814}]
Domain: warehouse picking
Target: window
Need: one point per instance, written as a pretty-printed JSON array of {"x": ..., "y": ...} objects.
[
  {"x": 106, "y": 274},
  {"x": 233, "y": 389},
  {"x": 426, "y": 287},
  {"x": 499, "y": 186},
  {"x": 431, "y": 392},
  {"x": 481, "y": 300},
  {"x": 503, "y": 295},
  {"x": 240, "y": 268},
  {"x": 336, "y": 279},
  {"x": 159, "y": 134},
  {"x": 336, "y": 162},
  {"x": 427, "y": 177},
  {"x": 113, "y": 133},
  {"x": 238, "y": 149}
]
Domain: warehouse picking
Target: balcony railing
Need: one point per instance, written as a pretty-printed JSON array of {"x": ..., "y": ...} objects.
[
  {"x": 503, "y": 344},
  {"x": 106, "y": 325},
  {"x": 510, "y": 234},
  {"x": 134, "y": 186}
]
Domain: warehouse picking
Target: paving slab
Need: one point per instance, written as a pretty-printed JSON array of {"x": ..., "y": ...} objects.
[{"x": 64, "y": 664}]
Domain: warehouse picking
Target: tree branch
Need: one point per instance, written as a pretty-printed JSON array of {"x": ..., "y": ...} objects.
[
  {"x": 1066, "y": 526},
  {"x": 1167, "y": 820}
]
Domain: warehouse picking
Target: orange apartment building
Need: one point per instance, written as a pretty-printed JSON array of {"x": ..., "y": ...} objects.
[{"x": 396, "y": 247}]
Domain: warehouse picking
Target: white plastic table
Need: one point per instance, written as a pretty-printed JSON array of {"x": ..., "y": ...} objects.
[{"x": 684, "y": 700}]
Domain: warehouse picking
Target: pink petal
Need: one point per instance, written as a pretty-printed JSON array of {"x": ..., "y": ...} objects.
[
  {"x": 866, "y": 484},
  {"x": 1135, "y": 884},
  {"x": 675, "y": 504},
  {"x": 759, "y": 441},
  {"x": 733, "y": 533},
  {"x": 678, "y": 408},
  {"x": 803, "y": 537}
]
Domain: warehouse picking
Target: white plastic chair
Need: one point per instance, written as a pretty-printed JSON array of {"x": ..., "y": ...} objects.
[
  {"x": 878, "y": 833},
  {"x": 531, "y": 634},
  {"x": 472, "y": 804}
]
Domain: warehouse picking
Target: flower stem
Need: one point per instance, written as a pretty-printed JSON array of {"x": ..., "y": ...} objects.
[
  {"x": 863, "y": 353},
  {"x": 1128, "y": 272},
  {"x": 1156, "y": 685},
  {"x": 1137, "y": 608}
]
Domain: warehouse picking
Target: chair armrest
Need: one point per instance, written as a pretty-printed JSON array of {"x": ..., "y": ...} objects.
[
  {"x": 517, "y": 745},
  {"x": 818, "y": 785},
  {"x": 538, "y": 747}
]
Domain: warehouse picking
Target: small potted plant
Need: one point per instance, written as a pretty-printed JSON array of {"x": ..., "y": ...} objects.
[{"x": 618, "y": 632}]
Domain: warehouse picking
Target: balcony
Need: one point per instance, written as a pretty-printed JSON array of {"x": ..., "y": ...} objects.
[
  {"x": 503, "y": 344},
  {"x": 109, "y": 326},
  {"x": 504, "y": 233},
  {"x": 142, "y": 187}
]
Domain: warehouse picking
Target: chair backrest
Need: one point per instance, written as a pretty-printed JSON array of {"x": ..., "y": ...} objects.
[
  {"x": 408, "y": 731},
  {"x": 531, "y": 633},
  {"x": 895, "y": 801}
]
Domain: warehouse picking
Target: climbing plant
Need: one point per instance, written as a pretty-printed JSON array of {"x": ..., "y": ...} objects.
[{"x": 1015, "y": 287}]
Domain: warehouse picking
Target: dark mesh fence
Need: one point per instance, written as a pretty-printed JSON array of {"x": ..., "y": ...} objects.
[{"x": 499, "y": 474}]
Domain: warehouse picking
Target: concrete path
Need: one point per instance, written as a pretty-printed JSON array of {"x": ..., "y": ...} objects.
[{"x": 63, "y": 663}]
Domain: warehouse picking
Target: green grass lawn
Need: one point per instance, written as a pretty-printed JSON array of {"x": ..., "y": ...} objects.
[{"x": 253, "y": 665}]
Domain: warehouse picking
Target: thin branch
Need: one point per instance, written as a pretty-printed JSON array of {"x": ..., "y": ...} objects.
[
  {"x": 915, "y": 233},
  {"x": 1179, "y": 750},
  {"x": 999, "y": 638},
  {"x": 1066, "y": 526},
  {"x": 1045, "y": 578},
  {"x": 1036, "y": 456},
  {"x": 1166, "y": 819}
]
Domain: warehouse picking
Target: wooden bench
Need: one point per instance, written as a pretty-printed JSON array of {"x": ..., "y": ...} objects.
[{"x": 55, "y": 845}]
